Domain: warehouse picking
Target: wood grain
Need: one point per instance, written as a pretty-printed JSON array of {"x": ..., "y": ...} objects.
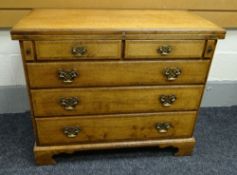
[
  {"x": 227, "y": 19},
  {"x": 115, "y": 100},
  {"x": 62, "y": 50},
  {"x": 119, "y": 101},
  {"x": 55, "y": 21},
  {"x": 119, "y": 36},
  {"x": 210, "y": 48},
  {"x": 122, "y": 73},
  {"x": 44, "y": 154},
  {"x": 27, "y": 50},
  {"x": 9, "y": 18},
  {"x": 149, "y": 48},
  {"x": 114, "y": 128},
  {"x": 123, "y": 4}
]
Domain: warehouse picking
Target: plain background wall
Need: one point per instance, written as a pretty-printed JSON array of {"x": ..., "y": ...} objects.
[
  {"x": 225, "y": 59},
  {"x": 11, "y": 69}
]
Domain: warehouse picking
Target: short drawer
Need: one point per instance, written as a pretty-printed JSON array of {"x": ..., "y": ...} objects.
[
  {"x": 68, "y": 130},
  {"x": 166, "y": 49},
  {"x": 89, "y": 74},
  {"x": 78, "y": 49},
  {"x": 78, "y": 101}
]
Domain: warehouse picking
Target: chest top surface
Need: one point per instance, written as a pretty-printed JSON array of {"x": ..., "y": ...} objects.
[{"x": 77, "y": 21}]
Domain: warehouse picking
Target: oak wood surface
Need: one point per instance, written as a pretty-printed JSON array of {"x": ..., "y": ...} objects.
[
  {"x": 114, "y": 128},
  {"x": 27, "y": 50},
  {"x": 115, "y": 100},
  {"x": 124, "y": 4},
  {"x": 121, "y": 73},
  {"x": 150, "y": 48},
  {"x": 120, "y": 36},
  {"x": 125, "y": 113},
  {"x": 62, "y": 50},
  {"x": 44, "y": 154},
  {"x": 9, "y": 18},
  {"x": 226, "y": 19},
  {"x": 210, "y": 48},
  {"x": 54, "y": 21}
]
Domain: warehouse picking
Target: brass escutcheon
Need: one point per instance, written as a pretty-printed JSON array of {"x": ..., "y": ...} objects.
[
  {"x": 164, "y": 50},
  {"x": 79, "y": 51},
  {"x": 172, "y": 74},
  {"x": 69, "y": 103},
  {"x": 71, "y": 132},
  {"x": 67, "y": 76},
  {"x": 167, "y": 100},
  {"x": 163, "y": 127}
]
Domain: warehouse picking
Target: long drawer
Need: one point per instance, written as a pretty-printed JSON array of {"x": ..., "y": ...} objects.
[
  {"x": 166, "y": 49},
  {"x": 68, "y": 130},
  {"x": 78, "y": 49},
  {"x": 78, "y": 101},
  {"x": 86, "y": 74}
]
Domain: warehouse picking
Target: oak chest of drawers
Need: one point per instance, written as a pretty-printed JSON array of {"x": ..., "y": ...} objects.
[{"x": 101, "y": 79}]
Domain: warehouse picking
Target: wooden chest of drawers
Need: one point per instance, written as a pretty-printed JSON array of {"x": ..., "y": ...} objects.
[{"x": 114, "y": 78}]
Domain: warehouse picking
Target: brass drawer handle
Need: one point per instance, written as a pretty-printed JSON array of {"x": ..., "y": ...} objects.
[
  {"x": 163, "y": 127},
  {"x": 67, "y": 76},
  {"x": 172, "y": 74},
  {"x": 79, "y": 51},
  {"x": 164, "y": 50},
  {"x": 69, "y": 103},
  {"x": 71, "y": 132},
  {"x": 167, "y": 100}
]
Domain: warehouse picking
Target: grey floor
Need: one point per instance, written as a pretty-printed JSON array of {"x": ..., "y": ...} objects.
[{"x": 215, "y": 152}]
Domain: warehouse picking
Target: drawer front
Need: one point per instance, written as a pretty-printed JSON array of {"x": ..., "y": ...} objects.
[
  {"x": 84, "y": 74},
  {"x": 166, "y": 49},
  {"x": 90, "y": 49},
  {"x": 56, "y": 102},
  {"x": 68, "y": 130}
]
